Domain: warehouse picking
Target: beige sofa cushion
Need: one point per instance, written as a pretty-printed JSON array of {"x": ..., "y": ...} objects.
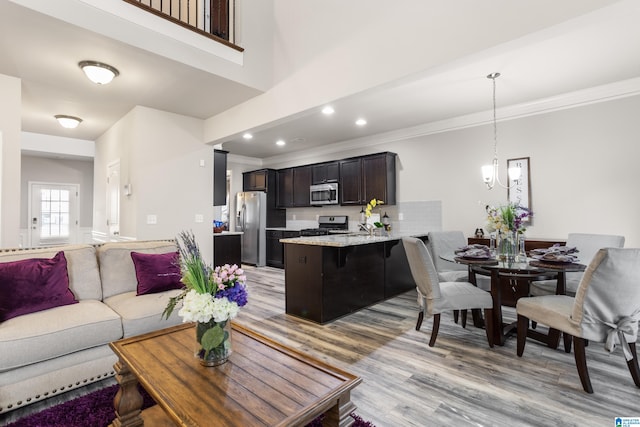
[
  {"x": 82, "y": 266},
  {"x": 55, "y": 332},
  {"x": 143, "y": 313},
  {"x": 117, "y": 271}
]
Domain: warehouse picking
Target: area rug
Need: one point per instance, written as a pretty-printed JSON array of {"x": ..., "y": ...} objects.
[{"x": 96, "y": 410}]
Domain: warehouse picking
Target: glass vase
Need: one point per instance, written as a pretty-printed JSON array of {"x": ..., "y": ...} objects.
[
  {"x": 508, "y": 246},
  {"x": 213, "y": 342}
]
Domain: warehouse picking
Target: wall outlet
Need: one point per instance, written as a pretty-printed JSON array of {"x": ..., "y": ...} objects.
[
  {"x": 293, "y": 217},
  {"x": 199, "y": 218},
  {"x": 400, "y": 216},
  {"x": 201, "y": 163},
  {"x": 152, "y": 219}
]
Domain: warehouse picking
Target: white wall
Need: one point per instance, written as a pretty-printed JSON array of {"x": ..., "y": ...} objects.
[
  {"x": 160, "y": 156},
  {"x": 10, "y": 123},
  {"x": 320, "y": 55},
  {"x": 583, "y": 171}
]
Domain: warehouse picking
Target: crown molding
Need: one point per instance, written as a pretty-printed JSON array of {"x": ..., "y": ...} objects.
[{"x": 598, "y": 94}]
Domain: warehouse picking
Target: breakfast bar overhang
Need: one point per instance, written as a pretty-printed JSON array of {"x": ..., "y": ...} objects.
[{"x": 328, "y": 277}]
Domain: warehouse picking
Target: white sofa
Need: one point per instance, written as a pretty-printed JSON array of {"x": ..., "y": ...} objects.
[{"x": 55, "y": 350}]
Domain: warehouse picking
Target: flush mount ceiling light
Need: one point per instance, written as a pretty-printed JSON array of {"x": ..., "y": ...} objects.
[
  {"x": 247, "y": 136},
  {"x": 280, "y": 142},
  {"x": 98, "y": 72},
  {"x": 361, "y": 122},
  {"x": 490, "y": 172},
  {"x": 69, "y": 122}
]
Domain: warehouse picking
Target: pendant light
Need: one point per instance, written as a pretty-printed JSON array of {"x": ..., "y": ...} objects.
[{"x": 490, "y": 172}]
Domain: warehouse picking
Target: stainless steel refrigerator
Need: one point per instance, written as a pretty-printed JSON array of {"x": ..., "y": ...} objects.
[{"x": 251, "y": 220}]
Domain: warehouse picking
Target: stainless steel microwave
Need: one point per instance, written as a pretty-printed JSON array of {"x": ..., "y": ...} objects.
[{"x": 324, "y": 194}]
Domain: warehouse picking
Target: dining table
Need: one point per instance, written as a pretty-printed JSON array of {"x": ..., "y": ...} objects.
[{"x": 510, "y": 281}]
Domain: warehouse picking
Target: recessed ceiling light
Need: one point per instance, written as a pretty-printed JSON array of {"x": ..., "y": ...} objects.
[
  {"x": 328, "y": 110},
  {"x": 98, "y": 72},
  {"x": 69, "y": 122},
  {"x": 280, "y": 142},
  {"x": 361, "y": 122},
  {"x": 247, "y": 136}
]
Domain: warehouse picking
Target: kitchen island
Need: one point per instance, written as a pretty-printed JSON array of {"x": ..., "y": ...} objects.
[{"x": 327, "y": 277}]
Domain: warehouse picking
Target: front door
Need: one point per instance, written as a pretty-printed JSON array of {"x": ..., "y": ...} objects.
[{"x": 53, "y": 214}]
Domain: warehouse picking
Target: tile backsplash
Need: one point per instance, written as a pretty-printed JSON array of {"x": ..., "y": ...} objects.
[{"x": 406, "y": 217}]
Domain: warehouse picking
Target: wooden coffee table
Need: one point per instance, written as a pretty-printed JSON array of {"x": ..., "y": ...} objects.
[{"x": 264, "y": 383}]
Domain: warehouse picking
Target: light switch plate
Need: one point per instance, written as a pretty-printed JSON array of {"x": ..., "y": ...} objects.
[
  {"x": 152, "y": 219},
  {"x": 199, "y": 218}
]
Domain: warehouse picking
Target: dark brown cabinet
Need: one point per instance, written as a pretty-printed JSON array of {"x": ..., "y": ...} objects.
[
  {"x": 367, "y": 177},
  {"x": 324, "y": 283},
  {"x": 275, "y": 249},
  {"x": 285, "y": 188},
  {"x": 379, "y": 177},
  {"x": 360, "y": 180},
  {"x": 265, "y": 180},
  {"x": 325, "y": 172},
  {"x": 227, "y": 249},
  {"x": 255, "y": 180},
  {"x": 293, "y": 187},
  {"x": 301, "y": 184},
  {"x": 350, "y": 189},
  {"x": 219, "y": 178}
]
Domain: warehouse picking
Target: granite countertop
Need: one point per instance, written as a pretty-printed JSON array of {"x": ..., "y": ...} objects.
[
  {"x": 344, "y": 240},
  {"x": 228, "y": 233}
]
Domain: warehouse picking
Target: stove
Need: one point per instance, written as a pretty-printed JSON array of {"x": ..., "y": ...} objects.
[{"x": 328, "y": 225}]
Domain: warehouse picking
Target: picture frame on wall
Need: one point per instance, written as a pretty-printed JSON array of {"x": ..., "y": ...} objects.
[{"x": 520, "y": 192}]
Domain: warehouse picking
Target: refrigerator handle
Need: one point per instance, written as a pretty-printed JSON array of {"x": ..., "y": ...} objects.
[{"x": 244, "y": 217}]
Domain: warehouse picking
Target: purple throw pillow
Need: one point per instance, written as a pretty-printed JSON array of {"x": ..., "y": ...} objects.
[
  {"x": 34, "y": 284},
  {"x": 156, "y": 272}
]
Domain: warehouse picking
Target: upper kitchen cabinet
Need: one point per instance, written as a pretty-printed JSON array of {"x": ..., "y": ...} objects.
[
  {"x": 367, "y": 177},
  {"x": 285, "y": 188},
  {"x": 325, "y": 172},
  {"x": 379, "y": 177},
  {"x": 265, "y": 180},
  {"x": 219, "y": 178},
  {"x": 350, "y": 189},
  {"x": 257, "y": 180},
  {"x": 293, "y": 187},
  {"x": 301, "y": 184}
]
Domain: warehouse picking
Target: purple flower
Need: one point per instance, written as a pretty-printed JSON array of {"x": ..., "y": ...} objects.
[{"x": 237, "y": 294}]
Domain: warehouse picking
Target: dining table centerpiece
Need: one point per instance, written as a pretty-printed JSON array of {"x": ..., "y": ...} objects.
[
  {"x": 211, "y": 298},
  {"x": 508, "y": 222}
]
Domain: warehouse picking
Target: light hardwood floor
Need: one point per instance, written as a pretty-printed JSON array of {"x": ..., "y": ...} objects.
[{"x": 459, "y": 382}]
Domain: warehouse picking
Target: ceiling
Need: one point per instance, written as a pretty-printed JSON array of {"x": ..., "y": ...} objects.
[
  {"x": 44, "y": 52},
  {"x": 587, "y": 52}
]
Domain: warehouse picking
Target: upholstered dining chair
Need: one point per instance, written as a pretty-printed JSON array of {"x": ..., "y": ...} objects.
[
  {"x": 446, "y": 242},
  {"x": 436, "y": 297},
  {"x": 606, "y": 309},
  {"x": 442, "y": 242},
  {"x": 587, "y": 245}
]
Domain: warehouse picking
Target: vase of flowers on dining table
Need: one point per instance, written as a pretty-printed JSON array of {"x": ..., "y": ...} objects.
[{"x": 508, "y": 223}]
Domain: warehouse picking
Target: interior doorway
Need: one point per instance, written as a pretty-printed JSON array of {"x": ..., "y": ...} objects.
[{"x": 53, "y": 213}]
